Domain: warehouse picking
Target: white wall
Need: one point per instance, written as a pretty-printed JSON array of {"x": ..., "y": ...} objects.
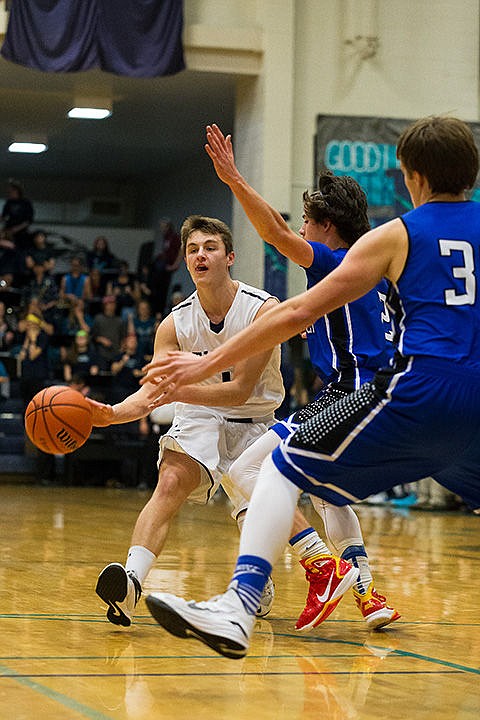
[{"x": 227, "y": 13}]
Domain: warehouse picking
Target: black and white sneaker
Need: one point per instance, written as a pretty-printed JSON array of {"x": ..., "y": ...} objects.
[
  {"x": 266, "y": 601},
  {"x": 121, "y": 591},
  {"x": 222, "y": 623}
]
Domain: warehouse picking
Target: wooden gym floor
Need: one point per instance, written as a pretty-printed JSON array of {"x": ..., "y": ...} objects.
[{"x": 60, "y": 659}]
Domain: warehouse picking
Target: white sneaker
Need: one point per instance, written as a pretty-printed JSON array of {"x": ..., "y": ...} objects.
[
  {"x": 222, "y": 623},
  {"x": 121, "y": 591},
  {"x": 266, "y": 601}
]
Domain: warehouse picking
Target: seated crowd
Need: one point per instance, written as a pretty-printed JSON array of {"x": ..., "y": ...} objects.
[{"x": 92, "y": 323}]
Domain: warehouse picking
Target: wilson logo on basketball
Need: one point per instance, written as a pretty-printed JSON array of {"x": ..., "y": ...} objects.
[{"x": 66, "y": 439}]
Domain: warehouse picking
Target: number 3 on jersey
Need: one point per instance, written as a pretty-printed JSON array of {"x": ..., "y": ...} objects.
[{"x": 464, "y": 272}]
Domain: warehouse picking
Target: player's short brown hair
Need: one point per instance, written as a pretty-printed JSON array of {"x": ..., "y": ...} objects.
[
  {"x": 341, "y": 200},
  {"x": 443, "y": 150},
  {"x": 209, "y": 226}
]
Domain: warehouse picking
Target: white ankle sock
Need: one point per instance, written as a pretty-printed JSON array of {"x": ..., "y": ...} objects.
[
  {"x": 139, "y": 561},
  {"x": 308, "y": 543}
]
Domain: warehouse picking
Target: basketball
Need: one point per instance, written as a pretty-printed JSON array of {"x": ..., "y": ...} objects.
[{"x": 58, "y": 420}]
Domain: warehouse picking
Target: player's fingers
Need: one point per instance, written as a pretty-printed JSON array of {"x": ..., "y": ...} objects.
[{"x": 94, "y": 403}]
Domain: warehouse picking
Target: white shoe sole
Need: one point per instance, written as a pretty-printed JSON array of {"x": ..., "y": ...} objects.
[
  {"x": 380, "y": 619},
  {"x": 177, "y": 625}
]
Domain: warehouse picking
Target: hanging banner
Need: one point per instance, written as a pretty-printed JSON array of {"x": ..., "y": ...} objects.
[
  {"x": 365, "y": 148},
  {"x": 137, "y": 38}
]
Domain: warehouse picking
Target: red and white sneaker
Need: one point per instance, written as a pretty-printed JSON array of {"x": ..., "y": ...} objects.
[
  {"x": 374, "y": 608},
  {"x": 330, "y": 577}
]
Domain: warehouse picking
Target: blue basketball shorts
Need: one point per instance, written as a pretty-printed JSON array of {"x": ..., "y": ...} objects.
[
  {"x": 326, "y": 397},
  {"x": 418, "y": 421}
]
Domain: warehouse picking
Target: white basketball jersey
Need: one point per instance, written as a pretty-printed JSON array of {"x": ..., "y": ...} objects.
[{"x": 195, "y": 333}]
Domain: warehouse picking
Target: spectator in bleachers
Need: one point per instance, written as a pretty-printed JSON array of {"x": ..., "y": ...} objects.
[
  {"x": 100, "y": 256},
  {"x": 9, "y": 262},
  {"x": 108, "y": 331},
  {"x": 34, "y": 358},
  {"x": 7, "y": 329},
  {"x": 45, "y": 289},
  {"x": 144, "y": 281},
  {"x": 35, "y": 371},
  {"x": 79, "y": 384},
  {"x": 80, "y": 358},
  {"x": 76, "y": 283},
  {"x": 4, "y": 382},
  {"x": 162, "y": 256},
  {"x": 126, "y": 369},
  {"x": 144, "y": 325},
  {"x": 17, "y": 215},
  {"x": 98, "y": 284},
  {"x": 33, "y": 312},
  {"x": 76, "y": 319},
  {"x": 177, "y": 296},
  {"x": 126, "y": 289},
  {"x": 40, "y": 252},
  {"x": 10, "y": 294}
]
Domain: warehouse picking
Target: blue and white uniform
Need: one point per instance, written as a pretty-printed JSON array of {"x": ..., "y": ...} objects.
[
  {"x": 346, "y": 346},
  {"x": 421, "y": 416}
]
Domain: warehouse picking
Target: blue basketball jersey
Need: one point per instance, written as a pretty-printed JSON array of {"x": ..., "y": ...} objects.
[
  {"x": 348, "y": 345},
  {"x": 438, "y": 288},
  {"x": 421, "y": 416}
]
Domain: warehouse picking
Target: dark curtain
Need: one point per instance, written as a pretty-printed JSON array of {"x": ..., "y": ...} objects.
[{"x": 138, "y": 38}]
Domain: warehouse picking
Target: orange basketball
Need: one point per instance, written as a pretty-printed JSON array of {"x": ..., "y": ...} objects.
[{"x": 58, "y": 420}]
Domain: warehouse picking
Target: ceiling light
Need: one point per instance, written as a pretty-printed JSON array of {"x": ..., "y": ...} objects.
[
  {"x": 27, "y": 147},
  {"x": 89, "y": 113},
  {"x": 88, "y": 106}
]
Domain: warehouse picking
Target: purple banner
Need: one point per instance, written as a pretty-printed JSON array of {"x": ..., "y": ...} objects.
[{"x": 137, "y": 38}]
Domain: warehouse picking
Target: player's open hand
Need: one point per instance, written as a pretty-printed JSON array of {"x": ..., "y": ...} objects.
[
  {"x": 172, "y": 370},
  {"x": 219, "y": 149},
  {"x": 102, "y": 415}
]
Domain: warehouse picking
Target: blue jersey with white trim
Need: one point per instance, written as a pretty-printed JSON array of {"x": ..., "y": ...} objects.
[
  {"x": 348, "y": 345},
  {"x": 438, "y": 286}
]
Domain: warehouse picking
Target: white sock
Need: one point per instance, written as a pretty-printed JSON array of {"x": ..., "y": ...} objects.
[
  {"x": 269, "y": 518},
  {"x": 344, "y": 534},
  {"x": 308, "y": 543},
  {"x": 244, "y": 471},
  {"x": 139, "y": 561}
]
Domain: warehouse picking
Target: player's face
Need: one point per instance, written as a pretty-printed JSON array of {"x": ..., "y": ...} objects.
[
  {"x": 312, "y": 231},
  {"x": 206, "y": 258}
]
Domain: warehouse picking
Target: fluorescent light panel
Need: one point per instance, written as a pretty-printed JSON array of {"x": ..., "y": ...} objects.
[
  {"x": 27, "y": 147},
  {"x": 89, "y": 113}
]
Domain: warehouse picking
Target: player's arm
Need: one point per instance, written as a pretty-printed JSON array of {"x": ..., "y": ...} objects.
[
  {"x": 267, "y": 221},
  {"x": 379, "y": 253},
  {"x": 232, "y": 392},
  {"x": 138, "y": 404}
]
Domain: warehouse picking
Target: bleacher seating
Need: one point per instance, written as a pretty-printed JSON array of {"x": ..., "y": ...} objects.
[{"x": 15, "y": 460}]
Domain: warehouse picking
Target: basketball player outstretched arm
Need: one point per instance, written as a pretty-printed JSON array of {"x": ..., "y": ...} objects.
[
  {"x": 379, "y": 253},
  {"x": 267, "y": 221},
  {"x": 136, "y": 405}
]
